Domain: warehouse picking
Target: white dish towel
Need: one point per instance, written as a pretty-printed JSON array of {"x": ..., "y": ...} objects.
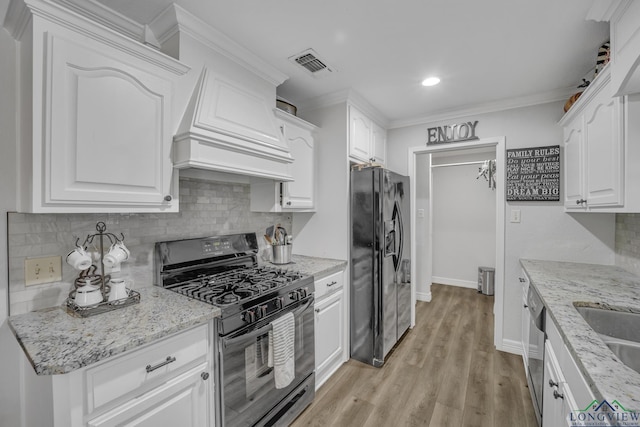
[{"x": 282, "y": 349}]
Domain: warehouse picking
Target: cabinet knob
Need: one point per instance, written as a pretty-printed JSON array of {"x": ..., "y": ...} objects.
[
  {"x": 204, "y": 376},
  {"x": 521, "y": 279},
  {"x": 581, "y": 201},
  {"x": 168, "y": 198},
  {"x": 557, "y": 395},
  {"x": 553, "y": 384},
  {"x": 317, "y": 310},
  {"x": 525, "y": 306},
  {"x": 289, "y": 203}
]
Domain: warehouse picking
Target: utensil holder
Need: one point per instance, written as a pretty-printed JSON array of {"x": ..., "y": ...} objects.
[{"x": 281, "y": 254}]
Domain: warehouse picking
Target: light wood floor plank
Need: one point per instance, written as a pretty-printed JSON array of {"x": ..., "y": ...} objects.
[{"x": 444, "y": 372}]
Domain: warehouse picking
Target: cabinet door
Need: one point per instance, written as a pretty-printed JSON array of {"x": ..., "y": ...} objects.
[
  {"x": 329, "y": 335},
  {"x": 300, "y": 193},
  {"x": 552, "y": 411},
  {"x": 604, "y": 149},
  {"x": 182, "y": 401},
  {"x": 378, "y": 143},
  {"x": 525, "y": 322},
  {"x": 359, "y": 135},
  {"x": 573, "y": 161},
  {"x": 108, "y": 139}
]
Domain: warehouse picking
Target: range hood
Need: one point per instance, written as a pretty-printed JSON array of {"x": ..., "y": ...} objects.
[{"x": 228, "y": 128}]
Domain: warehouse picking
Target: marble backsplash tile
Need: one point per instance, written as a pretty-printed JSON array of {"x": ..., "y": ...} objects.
[
  {"x": 628, "y": 242},
  {"x": 206, "y": 208}
]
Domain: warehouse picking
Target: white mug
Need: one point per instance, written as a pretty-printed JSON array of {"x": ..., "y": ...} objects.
[
  {"x": 79, "y": 259},
  {"x": 86, "y": 297},
  {"x": 118, "y": 253},
  {"x": 119, "y": 289}
]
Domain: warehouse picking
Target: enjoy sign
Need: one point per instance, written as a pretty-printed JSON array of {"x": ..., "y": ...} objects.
[{"x": 452, "y": 133}]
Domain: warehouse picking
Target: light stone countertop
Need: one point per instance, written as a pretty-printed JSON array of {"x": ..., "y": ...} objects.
[
  {"x": 318, "y": 267},
  {"x": 560, "y": 284},
  {"x": 56, "y": 342}
]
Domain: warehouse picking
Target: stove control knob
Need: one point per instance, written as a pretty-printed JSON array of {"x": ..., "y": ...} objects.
[
  {"x": 249, "y": 316},
  {"x": 295, "y": 295},
  {"x": 262, "y": 311},
  {"x": 302, "y": 292},
  {"x": 279, "y": 302}
]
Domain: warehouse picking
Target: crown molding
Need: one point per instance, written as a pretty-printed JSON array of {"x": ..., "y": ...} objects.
[
  {"x": 174, "y": 20},
  {"x": 95, "y": 21},
  {"x": 603, "y": 10},
  {"x": 489, "y": 107},
  {"x": 348, "y": 96}
]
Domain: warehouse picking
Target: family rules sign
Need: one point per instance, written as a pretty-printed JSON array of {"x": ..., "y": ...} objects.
[{"x": 533, "y": 174}]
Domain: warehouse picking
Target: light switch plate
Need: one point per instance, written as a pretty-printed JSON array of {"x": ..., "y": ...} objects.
[
  {"x": 515, "y": 215},
  {"x": 42, "y": 270}
]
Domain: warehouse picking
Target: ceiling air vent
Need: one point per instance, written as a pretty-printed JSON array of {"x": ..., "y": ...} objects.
[{"x": 309, "y": 61}]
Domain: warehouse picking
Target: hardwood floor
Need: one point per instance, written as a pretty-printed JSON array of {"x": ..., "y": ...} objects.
[{"x": 444, "y": 372}]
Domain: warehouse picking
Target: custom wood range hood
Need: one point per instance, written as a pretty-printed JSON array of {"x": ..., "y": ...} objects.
[{"x": 228, "y": 128}]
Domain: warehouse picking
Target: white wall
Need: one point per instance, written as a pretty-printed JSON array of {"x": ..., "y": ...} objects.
[
  {"x": 545, "y": 231},
  {"x": 464, "y": 220}
]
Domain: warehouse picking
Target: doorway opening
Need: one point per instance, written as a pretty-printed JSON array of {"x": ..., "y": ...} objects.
[{"x": 423, "y": 196}]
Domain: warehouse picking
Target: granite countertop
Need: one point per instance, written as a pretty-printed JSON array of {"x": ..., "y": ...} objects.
[
  {"x": 318, "y": 267},
  {"x": 57, "y": 343},
  {"x": 560, "y": 284}
]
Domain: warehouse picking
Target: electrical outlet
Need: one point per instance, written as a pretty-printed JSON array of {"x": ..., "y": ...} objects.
[{"x": 42, "y": 270}]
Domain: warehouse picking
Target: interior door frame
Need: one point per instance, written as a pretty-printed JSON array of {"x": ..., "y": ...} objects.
[{"x": 499, "y": 143}]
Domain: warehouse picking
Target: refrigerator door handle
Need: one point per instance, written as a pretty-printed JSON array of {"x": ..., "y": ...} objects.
[{"x": 400, "y": 233}]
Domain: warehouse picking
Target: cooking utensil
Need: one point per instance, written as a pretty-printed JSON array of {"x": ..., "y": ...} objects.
[
  {"x": 282, "y": 236},
  {"x": 269, "y": 231},
  {"x": 268, "y": 239}
]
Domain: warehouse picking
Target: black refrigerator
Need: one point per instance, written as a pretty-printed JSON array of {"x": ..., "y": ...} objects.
[{"x": 380, "y": 262}]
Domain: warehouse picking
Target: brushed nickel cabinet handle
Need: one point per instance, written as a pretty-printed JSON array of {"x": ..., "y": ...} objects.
[
  {"x": 332, "y": 283},
  {"x": 553, "y": 383},
  {"x": 204, "y": 376},
  {"x": 168, "y": 360},
  {"x": 168, "y": 198},
  {"x": 557, "y": 395}
]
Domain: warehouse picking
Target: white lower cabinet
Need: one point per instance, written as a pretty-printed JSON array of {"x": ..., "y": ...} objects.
[
  {"x": 565, "y": 390},
  {"x": 524, "y": 325},
  {"x": 330, "y": 326},
  {"x": 165, "y": 384},
  {"x": 557, "y": 398},
  {"x": 182, "y": 401}
]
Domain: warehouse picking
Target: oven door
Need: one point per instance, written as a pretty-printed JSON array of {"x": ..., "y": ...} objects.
[{"x": 248, "y": 385}]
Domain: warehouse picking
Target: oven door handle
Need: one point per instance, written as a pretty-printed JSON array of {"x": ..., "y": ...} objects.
[{"x": 260, "y": 330}]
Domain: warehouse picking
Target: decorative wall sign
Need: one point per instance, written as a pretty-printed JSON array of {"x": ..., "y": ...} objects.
[
  {"x": 452, "y": 133},
  {"x": 533, "y": 174}
]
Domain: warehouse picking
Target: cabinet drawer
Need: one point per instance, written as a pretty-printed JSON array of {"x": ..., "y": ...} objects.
[
  {"x": 329, "y": 284},
  {"x": 151, "y": 364}
]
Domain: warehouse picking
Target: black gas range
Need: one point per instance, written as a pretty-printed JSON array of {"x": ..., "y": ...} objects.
[{"x": 223, "y": 271}]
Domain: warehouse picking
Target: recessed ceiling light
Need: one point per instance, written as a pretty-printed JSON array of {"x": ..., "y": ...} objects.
[{"x": 430, "y": 81}]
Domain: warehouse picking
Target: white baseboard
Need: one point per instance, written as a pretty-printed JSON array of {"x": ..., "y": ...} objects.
[
  {"x": 454, "y": 282},
  {"x": 511, "y": 346},
  {"x": 423, "y": 296}
]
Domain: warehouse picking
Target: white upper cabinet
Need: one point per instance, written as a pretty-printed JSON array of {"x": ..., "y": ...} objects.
[
  {"x": 367, "y": 140},
  {"x": 598, "y": 153},
  {"x": 97, "y": 118},
  {"x": 300, "y": 193}
]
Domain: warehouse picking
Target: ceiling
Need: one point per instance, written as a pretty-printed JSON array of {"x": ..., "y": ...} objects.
[{"x": 488, "y": 53}]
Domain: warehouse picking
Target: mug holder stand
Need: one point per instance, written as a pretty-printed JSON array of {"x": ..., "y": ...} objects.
[{"x": 103, "y": 306}]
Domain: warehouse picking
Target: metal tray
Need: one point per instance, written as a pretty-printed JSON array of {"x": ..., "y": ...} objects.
[{"x": 78, "y": 311}]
